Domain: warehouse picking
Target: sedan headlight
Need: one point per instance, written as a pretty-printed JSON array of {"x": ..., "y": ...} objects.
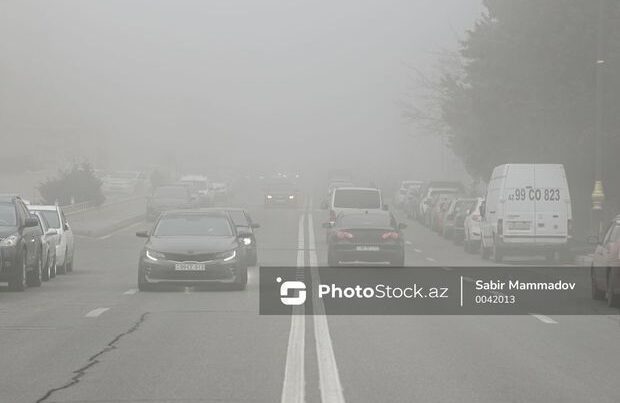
[
  {"x": 291, "y": 197},
  {"x": 228, "y": 255},
  {"x": 11, "y": 240},
  {"x": 246, "y": 241},
  {"x": 269, "y": 196},
  {"x": 154, "y": 255}
]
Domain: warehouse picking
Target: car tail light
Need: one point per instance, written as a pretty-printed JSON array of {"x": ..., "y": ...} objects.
[
  {"x": 344, "y": 235},
  {"x": 476, "y": 217},
  {"x": 390, "y": 235},
  {"x": 500, "y": 227}
]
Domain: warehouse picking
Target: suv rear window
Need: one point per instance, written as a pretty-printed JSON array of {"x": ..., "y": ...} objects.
[{"x": 357, "y": 198}]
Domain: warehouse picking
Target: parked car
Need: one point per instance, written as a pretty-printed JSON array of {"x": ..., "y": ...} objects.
[
  {"x": 199, "y": 187},
  {"x": 605, "y": 270},
  {"x": 401, "y": 194},
  {"x": 428, "y": 191},
  {"x": 281, "y": 193},
  {"x": 189, "y": 247},
  {"x": 65, "y": 249},
  {"x": 411, "y": 204},
  {"x": 366, "y": 236},
  {"x": 49, "y": 241},
  {"x": 527, "y": 211},
  {"x": 220, "y": 191},
  {"x": 471, "y": 227},
  {"x": 20, "y": 244},
  {"x": 169, "y": 197},
  {"x": 439, "y": 206},
  {"x": 454, "y": 218}
]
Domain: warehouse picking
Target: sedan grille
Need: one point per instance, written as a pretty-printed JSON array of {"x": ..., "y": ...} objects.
[{"x": 199, "y": 257}]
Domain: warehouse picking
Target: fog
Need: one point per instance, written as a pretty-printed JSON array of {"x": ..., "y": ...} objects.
[{"x": 207, "y": 84}]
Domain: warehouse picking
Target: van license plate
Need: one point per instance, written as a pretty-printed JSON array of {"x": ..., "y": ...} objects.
[
  {"x": 519, "y": 226},
  {"x": 367, "y": 248}
]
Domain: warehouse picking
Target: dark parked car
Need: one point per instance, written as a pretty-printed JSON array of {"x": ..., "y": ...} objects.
[
  {"x": 169, "y": 197},
  {"x": 605, "y": 269},
  {"x": 20, "y": 244},
  {"x": 190, "y": 247},
  {"x": 365, "y": 236}
]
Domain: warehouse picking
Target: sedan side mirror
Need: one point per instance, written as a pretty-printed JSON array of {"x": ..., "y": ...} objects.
[
  {"x": 142, "y": 234},
  {"x": 402, "y": 225},
  {"x": 31, "y": 222},
  {"x": 66, "y": 227}
]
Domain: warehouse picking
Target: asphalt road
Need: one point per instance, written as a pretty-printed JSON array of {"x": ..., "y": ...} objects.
[{"x": 89, "y": 336}]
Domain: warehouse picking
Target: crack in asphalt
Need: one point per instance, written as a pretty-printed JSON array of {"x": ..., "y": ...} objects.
[{"x": 94, "y": 360}]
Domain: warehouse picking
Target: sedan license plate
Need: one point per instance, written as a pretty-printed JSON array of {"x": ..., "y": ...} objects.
[
  {"x": 189, "y": 266},
  {"x": 367, "y": 248}
]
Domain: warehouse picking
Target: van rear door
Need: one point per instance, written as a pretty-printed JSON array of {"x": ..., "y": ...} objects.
[
  {"x": 519, "y": 209},
  {"x": 552, "y": 203}
]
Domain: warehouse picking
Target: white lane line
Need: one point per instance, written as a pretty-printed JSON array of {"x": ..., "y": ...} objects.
[
  {"x": 416, "y": 250},
  {"x": 293, "y": 387},
  {"x": 131, "y": 291},
  {"x": 120, "y": 230},
  {"x": 447, "y": 268},
  {"x": 544, "y": 319},
  {"x": 96, "y": 312},
  {"x": 430, "y": 259},
  {"x": 329, "y": 379}
]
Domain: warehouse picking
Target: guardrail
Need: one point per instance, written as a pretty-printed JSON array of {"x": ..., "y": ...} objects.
[{"x": 73, "y": 209}]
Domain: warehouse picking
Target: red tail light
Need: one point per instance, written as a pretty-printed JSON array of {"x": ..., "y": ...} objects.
[
  {"x": 500, "y": 227},
  {"x": 344, "y": 235},
  {"x": 390, "y": 235},
  {"x": 476, "y": 218}
]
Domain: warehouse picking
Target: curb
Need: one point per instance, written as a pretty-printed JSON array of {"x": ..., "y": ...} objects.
[{"x": 112, "y": 227}]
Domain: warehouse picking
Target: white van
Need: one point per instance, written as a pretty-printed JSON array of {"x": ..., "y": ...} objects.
[
  {"x": 345, "y": 199},
  {"x": 527, "y": 210}
]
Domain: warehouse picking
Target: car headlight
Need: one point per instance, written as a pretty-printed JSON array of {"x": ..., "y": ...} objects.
[
  {"x": 291, "y": 197},
  {"x": 269, "y": 196},
  {"x": 11, "y": 240},
  {"x": 228, "y": 255},
  {"x": 246, "y": 241},
  {"x": 154, "y": 255}
]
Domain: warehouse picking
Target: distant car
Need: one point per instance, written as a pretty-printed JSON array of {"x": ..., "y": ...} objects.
[
  {"x": 431, "y": 188},
  {"x": 199, "y": 186},
  {"x": 368, "y": 237},
  {"x": 281, "y": 193},
  {"x": 220, "y": 191},
  {"x": 169, "y": 197},
  {"x": 189, "y": 247},
  {"x": 354, "y": 199},
  {"x": 243, "y": 221},
  {"x": 471, "y": 228},
  {"x": 65, "y": 249},
  {"x": 401, "y": 194},
  {"x": 49, "y": 241},
  {"x": 20, "y": 245},
  {"x": 428, "y": 202},
  {"x": 438, "y": 208},
  {"x": 125, "y": 182},
  {"x": 411, "y": 202},
  {"x": 454, "y": 218},
  {"x": 605, "y": 270}
]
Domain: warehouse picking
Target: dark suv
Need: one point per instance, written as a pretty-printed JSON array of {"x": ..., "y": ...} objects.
[{"x": 20, "y": 244}]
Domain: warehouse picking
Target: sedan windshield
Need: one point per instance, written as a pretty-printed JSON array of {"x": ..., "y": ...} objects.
[
  {"x": 8, "y": 217},
  {"x": 193, "y": 225}
]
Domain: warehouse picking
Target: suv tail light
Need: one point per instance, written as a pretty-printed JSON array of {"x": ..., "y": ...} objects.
[
  {"x": 390, "y": 235},
  {"x": 500, "y": 227},
  {"x": 344, "y": 235}
]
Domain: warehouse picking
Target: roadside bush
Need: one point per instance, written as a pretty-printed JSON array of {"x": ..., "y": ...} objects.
[{"x": 77, "y": 184}]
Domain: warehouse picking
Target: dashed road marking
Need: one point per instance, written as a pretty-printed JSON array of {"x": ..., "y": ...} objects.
[
  {"x": 409, "y": 242},
  {"x": 96, "y": 312},
  {"x": 416, "y": 250},
  {"x": 544, "y": 318},
  {"x": 131, "y": 291}
]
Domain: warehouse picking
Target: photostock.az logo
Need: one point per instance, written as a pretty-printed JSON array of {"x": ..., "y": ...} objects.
[{"x": 292, "y": 286}]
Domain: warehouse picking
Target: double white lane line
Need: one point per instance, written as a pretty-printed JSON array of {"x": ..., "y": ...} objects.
[{"x": 293, "y": 389}]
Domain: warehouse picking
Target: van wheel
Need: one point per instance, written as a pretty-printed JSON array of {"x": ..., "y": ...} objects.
[
  {"x": 613, "y": 299},
  {"x": 597, "y": 294},
  {"x": 53, "y": 268},
  {"x": 47, "y": 272}
]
